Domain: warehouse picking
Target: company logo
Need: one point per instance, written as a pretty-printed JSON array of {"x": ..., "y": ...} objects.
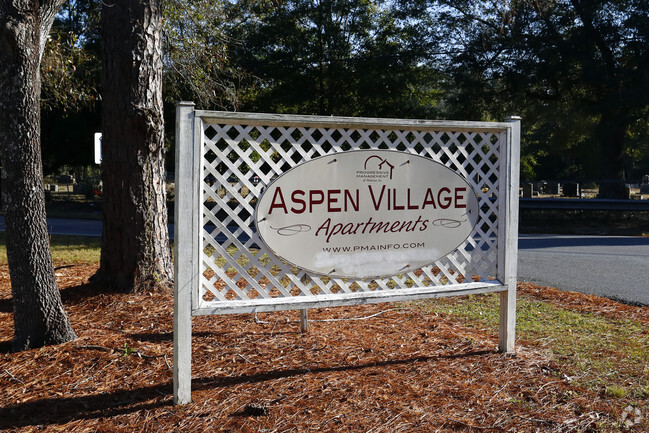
[{"x": 375, "y": 169}]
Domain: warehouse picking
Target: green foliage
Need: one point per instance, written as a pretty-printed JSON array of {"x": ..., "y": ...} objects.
[
  {"x": 197, "y": 63},
  {"x": 71, "y": 61},
  {"x": 333, "y": 57},
  {"x": 574, "y": 70},
  {"x": 596, "y": 351},
  {"x": 69, "y": 80},
  {"x": 616, "y": 391},
  {"x": 128, "y": 350},
  {"x": 70, "y": 91}
]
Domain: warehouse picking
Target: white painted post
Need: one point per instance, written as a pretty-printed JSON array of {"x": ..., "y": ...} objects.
[
  {"x": 508, "y": 235},
  {"x": 184, "y": 241}
]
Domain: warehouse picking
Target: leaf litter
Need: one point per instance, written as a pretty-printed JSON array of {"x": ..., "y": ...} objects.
[{"x": 372, "y": 368}]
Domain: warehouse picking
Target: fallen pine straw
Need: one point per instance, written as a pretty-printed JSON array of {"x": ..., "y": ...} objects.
[{"x": 397, "y": 370}]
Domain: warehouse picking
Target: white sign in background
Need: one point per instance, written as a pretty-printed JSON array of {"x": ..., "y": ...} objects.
[
  {"x": 97, "y": 147},
  {"x": 366, "y": 214}
]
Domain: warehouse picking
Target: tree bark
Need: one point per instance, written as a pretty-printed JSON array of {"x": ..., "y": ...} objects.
[
  {"x": 611, "y": 133},
  {"x": 135, "y": 254},
  {"x": 39, "y": 317}
]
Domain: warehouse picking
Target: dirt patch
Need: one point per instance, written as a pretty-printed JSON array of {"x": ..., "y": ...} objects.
[{"x": 397, "y": 371}]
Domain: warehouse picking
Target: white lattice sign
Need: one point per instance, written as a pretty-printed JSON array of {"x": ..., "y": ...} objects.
[{"x": 224, "y": 162}]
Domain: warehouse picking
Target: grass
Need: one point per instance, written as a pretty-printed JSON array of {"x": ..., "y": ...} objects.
[
  {"x": 65, "y": 249},
  {"x": 604, "y": 354}
]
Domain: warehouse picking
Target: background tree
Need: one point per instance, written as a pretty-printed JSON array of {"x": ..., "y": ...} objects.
[
  {"x": 332, "y": 57},
  {"x": 70, "y": 92},
  {"x": 39, "y": 317},
  {"x": 135, "y": 253},
  {"x": 575, "y": 69},
  {"x": 197, "y": 63}
]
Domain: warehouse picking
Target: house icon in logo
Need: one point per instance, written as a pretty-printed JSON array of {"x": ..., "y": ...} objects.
[{"x": 381, "y": 164}]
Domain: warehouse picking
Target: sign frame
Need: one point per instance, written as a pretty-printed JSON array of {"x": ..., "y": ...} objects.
[{"x": 211, "y": 149}]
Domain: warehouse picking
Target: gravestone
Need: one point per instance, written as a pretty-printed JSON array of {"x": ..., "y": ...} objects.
[
  {"x": 528, "y": 190},
  {"x": 552, "y": 188},
  {"x": 571, "y": 189},
  {"x": 644, "y": 186},
  {"x": 614, "y": 189}
]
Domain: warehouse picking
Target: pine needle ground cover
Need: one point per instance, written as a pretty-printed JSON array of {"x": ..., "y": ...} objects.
[{"x": 582, "y": 365}]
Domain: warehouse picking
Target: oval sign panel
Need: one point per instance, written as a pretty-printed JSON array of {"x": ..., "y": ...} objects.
[{"x": 366, "y": 213}]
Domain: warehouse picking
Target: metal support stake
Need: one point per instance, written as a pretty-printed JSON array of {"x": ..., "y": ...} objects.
[{"x": 304, "y": 320}]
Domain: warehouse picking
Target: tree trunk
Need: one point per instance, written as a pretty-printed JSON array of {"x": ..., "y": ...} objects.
[
  {"x": 611, "y": 133},
  {"x": 39, "y": 317},
  {"x": 135, "y": 253}
]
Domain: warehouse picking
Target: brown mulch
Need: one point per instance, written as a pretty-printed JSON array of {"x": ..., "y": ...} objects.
[
  {"x": 581, "y": 302},
  {"x": 391, "y": 369}
]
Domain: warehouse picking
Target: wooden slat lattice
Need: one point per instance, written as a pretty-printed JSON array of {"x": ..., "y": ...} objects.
[{"x": 240, "y": 157}]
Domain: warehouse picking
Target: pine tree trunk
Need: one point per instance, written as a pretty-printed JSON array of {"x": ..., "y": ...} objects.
[
  {"x": 611, "y": 134},
  {"x": 39, "y": 317},
  {"x": 135, "y": 254}
]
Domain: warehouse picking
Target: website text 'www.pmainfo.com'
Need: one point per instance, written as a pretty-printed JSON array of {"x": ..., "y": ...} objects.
[{"x": 361, "y": 248}]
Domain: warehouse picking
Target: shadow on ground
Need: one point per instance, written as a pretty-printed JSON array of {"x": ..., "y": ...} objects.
[{"x": 124, "y": 401}]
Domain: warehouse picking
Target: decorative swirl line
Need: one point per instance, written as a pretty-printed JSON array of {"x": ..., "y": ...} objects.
[
  {"x": 292, "y": 229},
  {"x": 448, "y": 223}
]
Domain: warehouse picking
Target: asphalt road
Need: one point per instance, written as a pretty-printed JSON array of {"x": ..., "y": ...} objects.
[
  {"x": 616, "y": 267},
  {"x": 612, "y": 266},
  {"x": 62, "y": 226}
]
